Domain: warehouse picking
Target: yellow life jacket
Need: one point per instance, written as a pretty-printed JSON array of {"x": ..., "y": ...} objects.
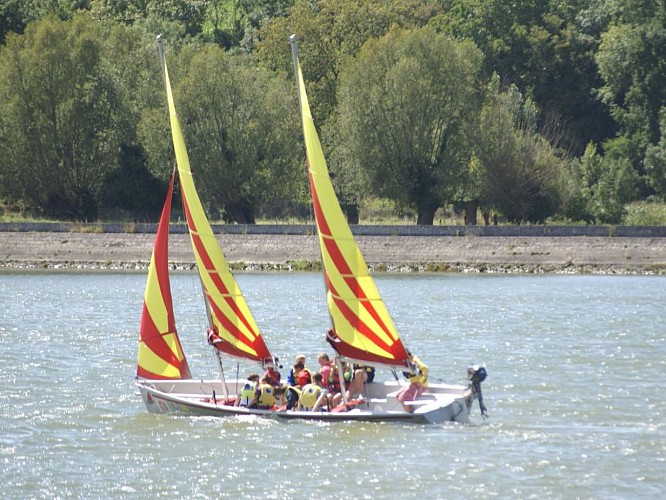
[
  {"x": 309, "y": 395},
  {"x": 266, "y": 396},
  {"x": 248, "y": 392}
]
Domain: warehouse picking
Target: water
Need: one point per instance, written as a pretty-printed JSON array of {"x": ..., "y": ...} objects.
[{"x": 575, "y": 393}]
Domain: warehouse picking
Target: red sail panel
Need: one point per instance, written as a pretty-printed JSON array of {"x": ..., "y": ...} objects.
[
  {"x": 364, "y": 329},
  {"x": 230, "y": 317},
  {"x": 161, "y": 355}
]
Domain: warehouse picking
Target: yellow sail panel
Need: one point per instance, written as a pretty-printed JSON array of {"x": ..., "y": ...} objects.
[
  {"x": 362, "y": 325},
  {"x": 155, "y": 364},
  {"x": 154, "y": 299},
  {"x": 231, "y": 320}
]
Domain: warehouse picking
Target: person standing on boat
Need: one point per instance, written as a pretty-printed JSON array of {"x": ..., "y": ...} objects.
[
  {"x": 264, "y": 396},
  {"x": 248, "y": 390},
  {"x": 418, "y": 381},
  {"x": 312, "y": 395}
]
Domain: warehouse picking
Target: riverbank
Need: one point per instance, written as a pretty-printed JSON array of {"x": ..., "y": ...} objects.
[{"x": 499, "y": 254}]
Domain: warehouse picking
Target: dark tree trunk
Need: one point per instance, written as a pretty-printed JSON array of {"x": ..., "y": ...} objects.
[
  {"x": 351, "y": 212},
  {"x": 239, "y": 212},
  {"x": 425, "y": 217},
  {"x": 471, "y": 208},
  {"x": 486, "y": 217}
]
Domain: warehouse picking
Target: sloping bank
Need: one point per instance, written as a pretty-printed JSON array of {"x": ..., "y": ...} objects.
[{"x": 548, "y": 249}]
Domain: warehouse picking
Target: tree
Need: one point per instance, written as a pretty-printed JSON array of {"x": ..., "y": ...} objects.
[
  {"x": 517, "y": 168},
  {"x": 547, "y": 50},
  {"x": 241, "y": 127},
  {"x": 596, "y": 187},
  {"x": 407, "y": 107},
  {"x": 329, "y": 32},
  {"x": 59, "y": 134},
  {"x": 632, "y": 62}
]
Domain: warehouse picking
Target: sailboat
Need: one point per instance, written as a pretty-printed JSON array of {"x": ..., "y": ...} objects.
[
  {"x": 163, "y": 376},
  {"x": 362, "y": 330}
]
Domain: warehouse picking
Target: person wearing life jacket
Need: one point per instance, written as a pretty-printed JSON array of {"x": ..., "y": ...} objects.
[
  {"x": 273, "y": 375},
  {"x": 418, "y": 381},
  {"x": 312, "y": 395},
  {"x": 264, "y": 396},
  {"x": 299, "y": 364},
  {"x": 248, "y": 390},
  {"x": 291, "y": 394}
]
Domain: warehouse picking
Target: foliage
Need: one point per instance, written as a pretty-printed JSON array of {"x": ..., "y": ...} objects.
[
  {"x": 598, "y": 187},
  {"x": 241, "y": 128},
  {"x": 407, "y": 106},
  {"x": 60, "y": 128},
  {"x": 544, "y": 48},
  {"x": 643, "y": 213},
  {"x": 631, "y": 62},
  {"x": 329, "y": 32},
  {"x": 516, "y": 168}
]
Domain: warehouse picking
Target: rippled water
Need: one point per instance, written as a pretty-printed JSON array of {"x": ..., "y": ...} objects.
[{"x": 575, "y": 392}]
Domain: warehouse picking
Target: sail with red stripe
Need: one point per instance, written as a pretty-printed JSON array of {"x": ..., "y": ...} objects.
[
  {"x": 363, "y": 329},
  {"x": 233, "y": 329},
  {"x": 161, "y": 355}
]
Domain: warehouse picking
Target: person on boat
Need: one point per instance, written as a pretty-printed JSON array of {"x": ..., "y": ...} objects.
[
  {"x": 313, "y": 395},
  {"x": 264, "y": 396},
  {"x": 292, "y": 378},
  {"x": 274, "y": 376},
  {"x": 304, "y": 378},
  {"x": 248, "y": 390},
  {"x": 418, "y": 381},
  {"x": 355, "y": 387},
  {"x": 291, "y": 395},
  {"x": 369, "y": 372},
  {"x": 324, "y": 366}
]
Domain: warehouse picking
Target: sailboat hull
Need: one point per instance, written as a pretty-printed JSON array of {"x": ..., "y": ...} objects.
[{"x": 440, "y": 403}]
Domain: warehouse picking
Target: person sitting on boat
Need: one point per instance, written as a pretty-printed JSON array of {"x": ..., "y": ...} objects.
[
  {"x": 361, "y": 376},
  {"x": 291, "y": 394},
  {"x": 418, "y": 381},
  {"x": 369, "y": 372},
  {"x": 331, "y": 378},
  {"x": 299, "y": 364},
  {"x": 273, "y": 375},
  {"x": 312, "y": 395},
  {"x": 264, "y": 396},
  {"x": 304, "y": 378},
  {"x": 248, "y": 390}
]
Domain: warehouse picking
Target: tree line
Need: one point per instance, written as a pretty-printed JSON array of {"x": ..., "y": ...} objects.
[{"x": 529, "y": 111}]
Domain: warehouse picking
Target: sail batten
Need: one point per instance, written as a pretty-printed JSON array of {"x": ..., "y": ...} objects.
[
  {"x": 233, "y": 328},
  {"x": 363, "y": 329}
]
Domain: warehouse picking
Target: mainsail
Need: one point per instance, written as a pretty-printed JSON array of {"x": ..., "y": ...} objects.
[
  {"x": 160, "y": 353},
  {"x": 362, "y": 327},
  {"x": 233, "y": 329}
]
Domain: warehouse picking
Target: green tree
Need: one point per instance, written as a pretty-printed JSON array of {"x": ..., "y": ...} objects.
[
  {"x": 59, "y": 131},
  {"x": 596, "y": 188},
  {"x": 547, "y": 50},
  {"x": 407, "y": 107},
  {"x": 241, "y": 127},
  {"x": 517, "y": 169},
  {"x": 329, "y": 32},
  {"x": 632, "y": 62}
]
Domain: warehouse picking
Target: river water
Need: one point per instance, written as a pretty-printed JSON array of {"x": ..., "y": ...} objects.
[{"x": 575, "y": 392}]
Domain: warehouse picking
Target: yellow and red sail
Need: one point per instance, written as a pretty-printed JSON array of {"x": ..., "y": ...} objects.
[
  {"x": 363, "y": 330},
  {"x": 160, "y": 352},
  {"x": 233, "y": 328}
]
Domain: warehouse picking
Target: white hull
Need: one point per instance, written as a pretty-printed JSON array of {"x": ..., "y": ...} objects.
[{"x": 439, "y": 403}]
